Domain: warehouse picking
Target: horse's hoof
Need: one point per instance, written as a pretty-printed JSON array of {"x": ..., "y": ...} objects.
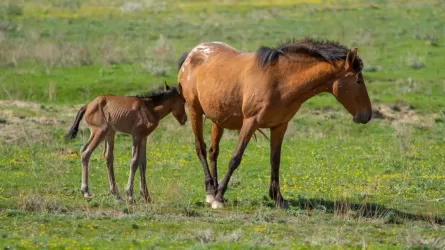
[
  {"x": 210, "y": 198},
  {"x": 284, "y": 204},
  {"x": 217, "y": 204},
  {"x": 86, "y": 195}
]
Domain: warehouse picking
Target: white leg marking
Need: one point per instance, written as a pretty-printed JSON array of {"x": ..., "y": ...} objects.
[
  {"x": 216, "y": 204},
  {"x": 210, "y": 198}
]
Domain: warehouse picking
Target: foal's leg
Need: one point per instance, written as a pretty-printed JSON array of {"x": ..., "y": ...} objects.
[
  {"x": 217, "y": 133},
  {"x": 109, "y": 160},
  {"x": 142, "y": 169},
  {"x": 133, "y": 166},
  {"x": 96, "y": 137},
  {"x": 276, "y": 140},
  {"x": 249, "y": 127},
  {"x": 196, "y": 120}
]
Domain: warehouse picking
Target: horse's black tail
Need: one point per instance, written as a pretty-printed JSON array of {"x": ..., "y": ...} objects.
[
  {"x": 182, "y": 59},
  {"x": 75, "y": 128}
]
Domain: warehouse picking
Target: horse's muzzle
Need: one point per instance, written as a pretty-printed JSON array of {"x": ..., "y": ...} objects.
[{"x": 363, "y": 117}]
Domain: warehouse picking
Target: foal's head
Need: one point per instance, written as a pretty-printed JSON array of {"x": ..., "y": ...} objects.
[
  {"x": 177, "y": 103},
  {"x": 350, "y": 89},
  {"x": 169, "y": 99}
]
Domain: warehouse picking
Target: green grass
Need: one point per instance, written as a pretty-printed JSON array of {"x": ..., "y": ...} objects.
[{"x": 376, "y": 186}]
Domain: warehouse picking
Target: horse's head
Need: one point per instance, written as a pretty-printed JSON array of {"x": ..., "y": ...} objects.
[
  {"x": 178, "y": 105},
  {"x": 350, "y": 89}
]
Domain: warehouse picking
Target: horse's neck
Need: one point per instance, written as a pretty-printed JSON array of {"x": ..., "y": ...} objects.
[{"x": 309, "y": 81}]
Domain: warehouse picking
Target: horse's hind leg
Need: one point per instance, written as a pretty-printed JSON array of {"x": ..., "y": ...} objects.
[
  {"x": 142, "y": 169},
  {"x": 134, "y": 164},
  {"x": 109, "y": 160},
  {"x": 247, "y": 130},
  {"x": 197, "y": 126},
  {"x": 276, "y": 140},
  {"x": 217, "y": 133},
  {"x": 96, "y": 137}
]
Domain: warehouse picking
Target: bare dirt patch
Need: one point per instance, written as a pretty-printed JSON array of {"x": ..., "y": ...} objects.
[
  {"x": 401, "y": 113},
  {"x": 27, "y": 121}
]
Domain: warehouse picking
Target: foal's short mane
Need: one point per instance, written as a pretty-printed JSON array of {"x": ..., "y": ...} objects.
[
  {"x": 328, "y": 50},
  {"x": 159, "y": 95}
]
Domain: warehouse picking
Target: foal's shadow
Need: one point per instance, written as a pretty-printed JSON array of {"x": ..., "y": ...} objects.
[{"x": 367, "y": 210}]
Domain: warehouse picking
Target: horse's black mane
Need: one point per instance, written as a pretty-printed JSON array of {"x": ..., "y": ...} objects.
[
  {"x": 328, "y": 50},
  {"x": 159, "y": 94}
]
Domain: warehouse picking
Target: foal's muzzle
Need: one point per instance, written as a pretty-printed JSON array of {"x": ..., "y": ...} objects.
[{"x": 183, "y": 120}]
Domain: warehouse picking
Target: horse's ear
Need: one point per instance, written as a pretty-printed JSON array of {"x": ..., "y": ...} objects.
[
  {"x": 350, "y": 58},
  {"x": 166, "y": 87}
]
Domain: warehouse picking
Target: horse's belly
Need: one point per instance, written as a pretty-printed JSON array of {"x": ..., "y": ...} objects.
[{"x": 228, "y": 117}]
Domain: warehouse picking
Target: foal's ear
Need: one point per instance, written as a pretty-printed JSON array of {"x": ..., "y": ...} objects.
[
  {"x": 179, "y": 89},
  {"x": 350, "y": 58},
  {"x": 166, "y": 87}
]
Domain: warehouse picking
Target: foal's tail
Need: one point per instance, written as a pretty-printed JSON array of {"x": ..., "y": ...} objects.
[
  {"x": 75, "y": 128},
  {"x": 182, "y": 59}
]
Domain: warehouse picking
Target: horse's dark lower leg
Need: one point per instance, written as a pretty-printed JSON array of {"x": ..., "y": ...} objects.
[
  {"x": 196, "y": 120},
  {"x": 277, "y": 136},
  {"x": 217, "y": 133},
  {"x": 249, "y": 127}
]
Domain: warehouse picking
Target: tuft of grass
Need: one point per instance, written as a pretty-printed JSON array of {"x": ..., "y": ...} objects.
[
  {"x": 205, "y": 236},
  {"x": 111, "y": 53},
  {"x": 415, "y": 62},
  {"x": 10, "y": 10},
  {"x": 48, "y": 54}
]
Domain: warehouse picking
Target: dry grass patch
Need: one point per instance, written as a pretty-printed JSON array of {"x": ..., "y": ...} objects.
[{"x": 27, "y": 121}]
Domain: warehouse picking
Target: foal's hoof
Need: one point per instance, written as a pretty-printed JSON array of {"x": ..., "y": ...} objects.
[
  {"x": 86, "y": 195},
  {"x": 130, "y": 200},
  {"x": 210, "y": 198},
  {"x": 217, "y": 204}
]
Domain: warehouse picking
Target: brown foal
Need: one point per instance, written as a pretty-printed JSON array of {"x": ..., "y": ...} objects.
[
  {"x": 248, "y": 91},
  {"x": 137, "y": 116}
]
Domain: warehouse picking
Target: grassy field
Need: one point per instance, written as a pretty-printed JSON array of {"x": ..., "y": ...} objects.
[{"x": 375, "y": 186}]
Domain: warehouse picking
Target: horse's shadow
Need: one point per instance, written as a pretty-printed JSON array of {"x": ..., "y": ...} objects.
[{"x": 367, "y": 210}]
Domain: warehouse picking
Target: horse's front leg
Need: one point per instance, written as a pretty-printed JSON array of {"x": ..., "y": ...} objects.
[
  {"x": 247, "y": 130},
  {"x": 142, "y": 170},
  {"x": 217, "y": 133},
  {"x": 276, "y": 140},
  {"x": 134, "y": 164},
  {"x": 197, "y": 123}
]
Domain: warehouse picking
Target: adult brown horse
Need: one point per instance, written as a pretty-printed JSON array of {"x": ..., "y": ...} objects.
[{"x": 248, "y": 91}]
